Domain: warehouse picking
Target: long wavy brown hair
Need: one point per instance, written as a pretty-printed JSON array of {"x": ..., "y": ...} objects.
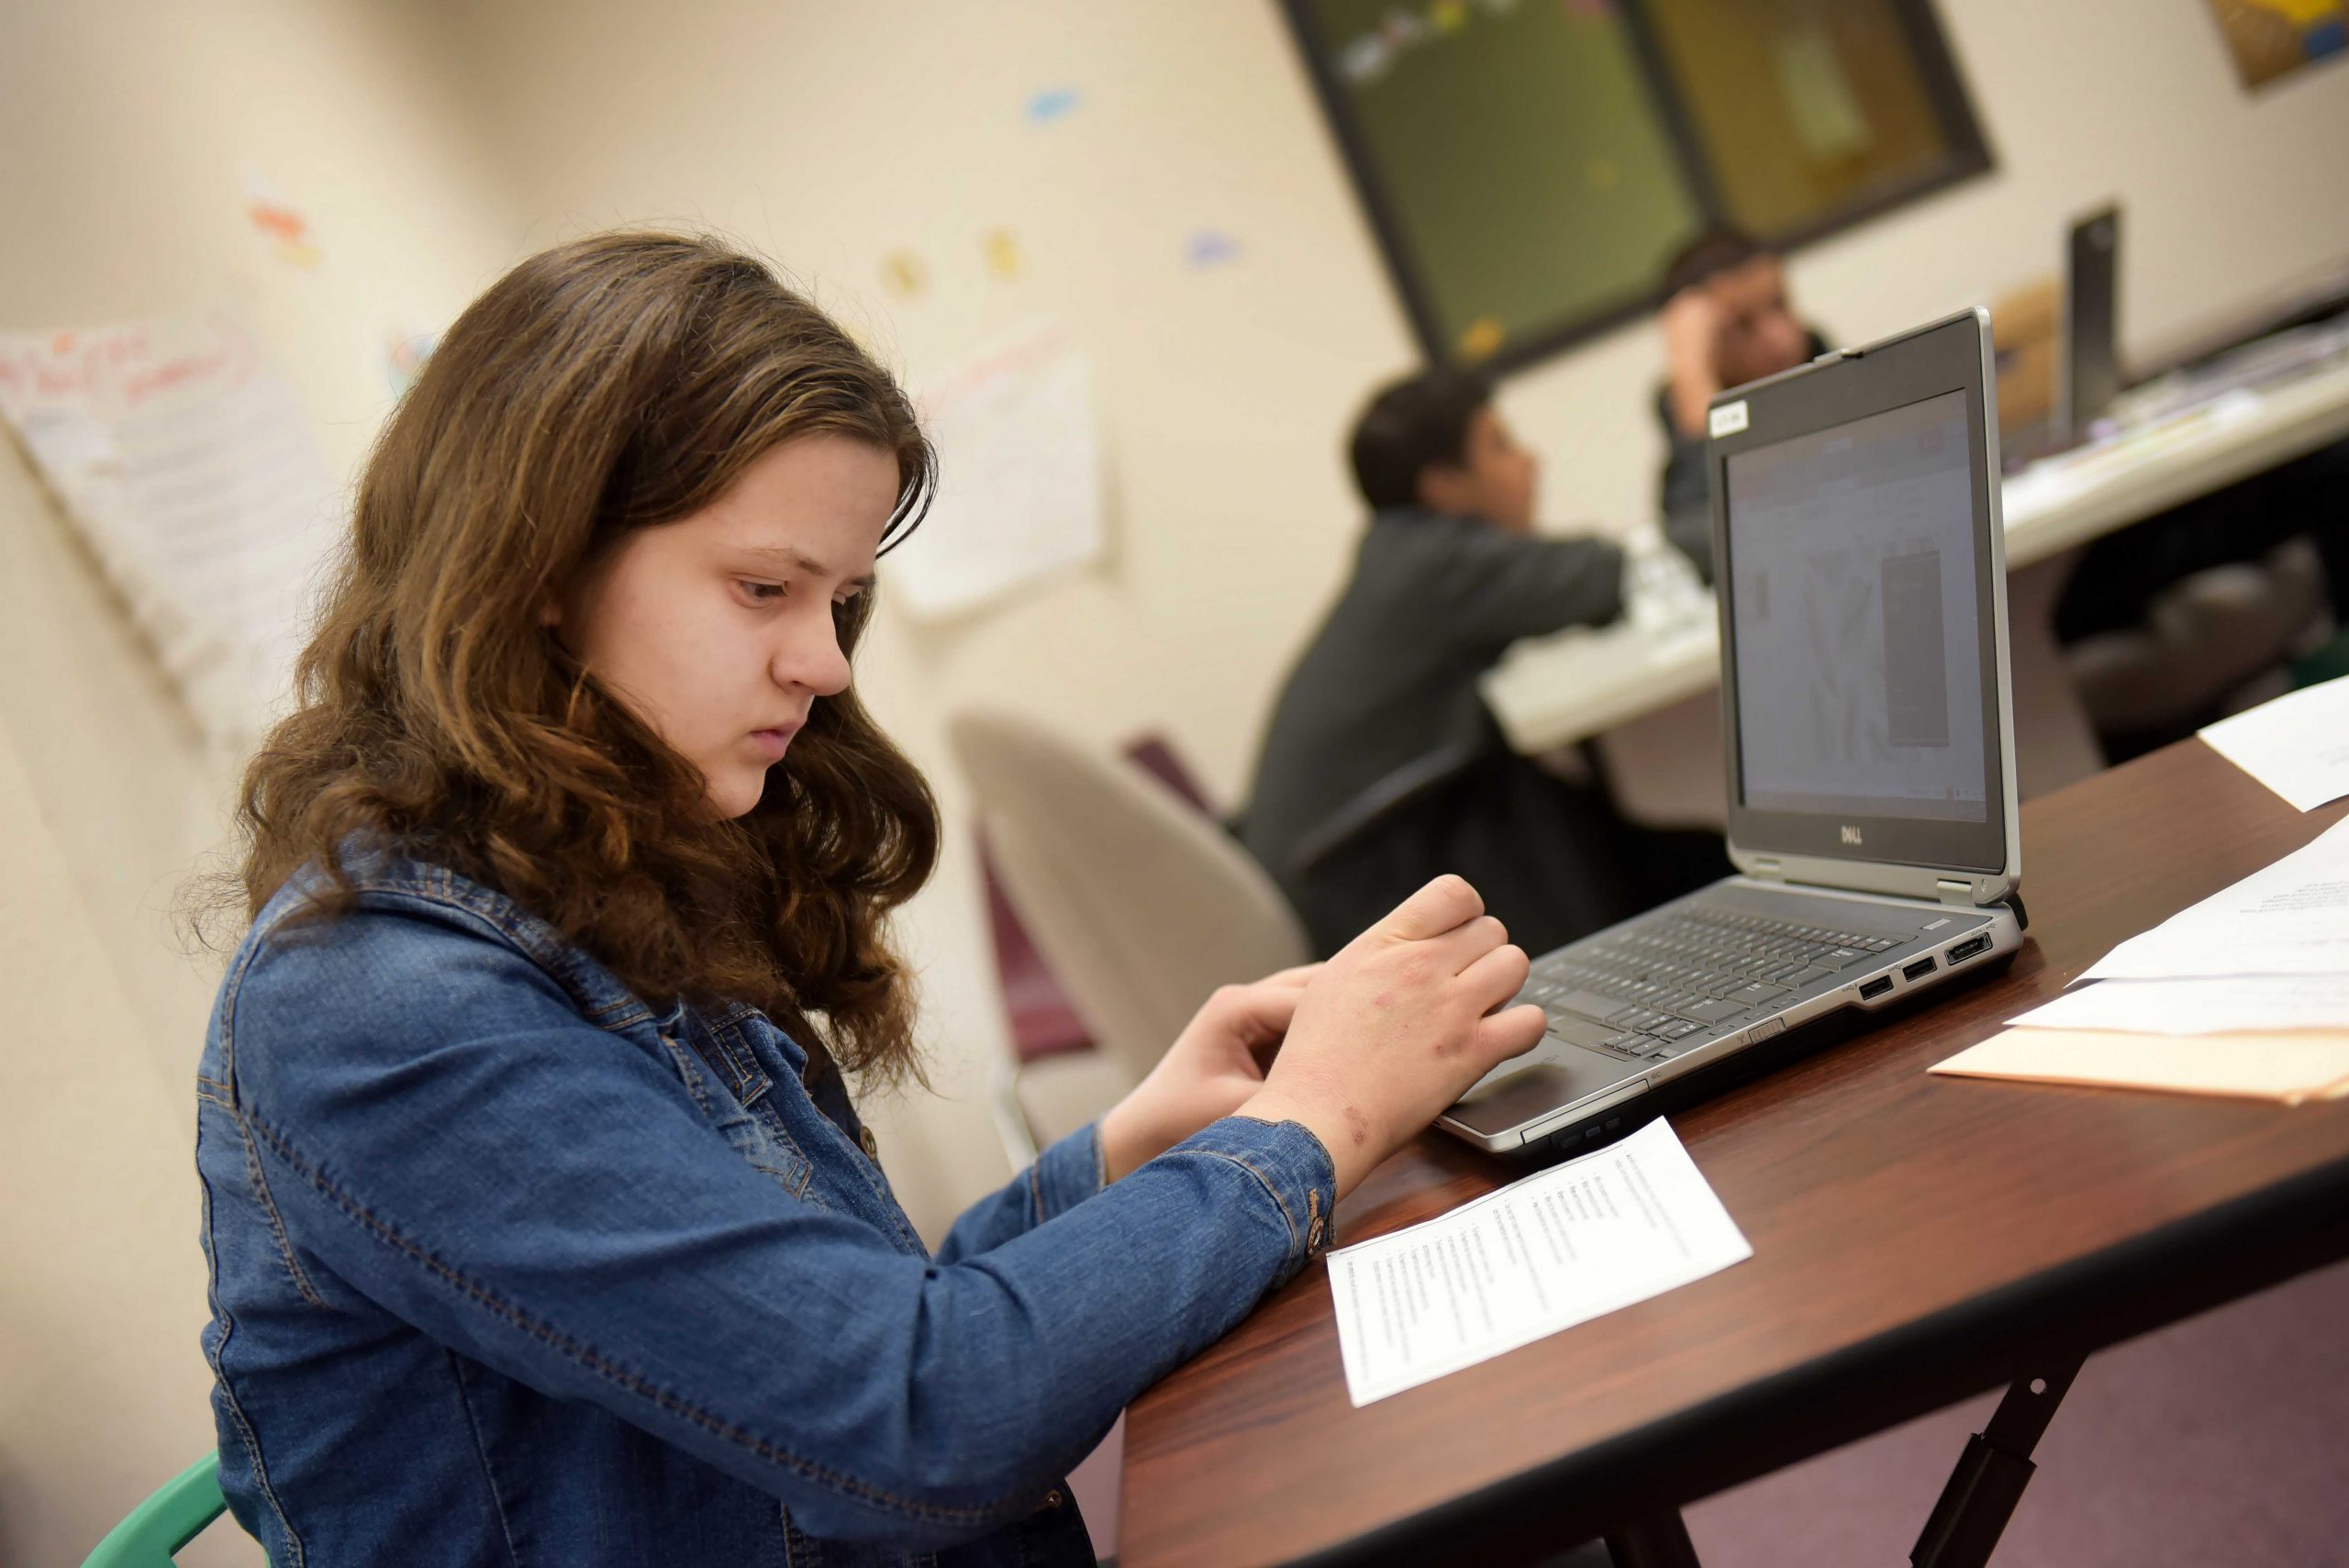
[{"x": 619, "y": 382}]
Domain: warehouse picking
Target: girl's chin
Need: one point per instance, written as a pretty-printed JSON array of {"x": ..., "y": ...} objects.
[{"x": 738, "y": 798}]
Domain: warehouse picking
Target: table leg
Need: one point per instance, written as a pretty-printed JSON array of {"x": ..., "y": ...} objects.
[
  {"x": 1652, "y": 1540},
  {"x": 1990, "y": 1476}
]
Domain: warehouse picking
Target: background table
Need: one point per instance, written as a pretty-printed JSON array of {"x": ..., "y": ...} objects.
[{"x": 1551, "y": 691}]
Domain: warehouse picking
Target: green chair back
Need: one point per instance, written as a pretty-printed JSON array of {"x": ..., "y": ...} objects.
[{"x": 168, "y": 1519}]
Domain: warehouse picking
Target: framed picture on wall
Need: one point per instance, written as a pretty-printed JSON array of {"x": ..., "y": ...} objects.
[
  {"x": 1529, "y": 166},
  {"x": 2268, "y": 39}
]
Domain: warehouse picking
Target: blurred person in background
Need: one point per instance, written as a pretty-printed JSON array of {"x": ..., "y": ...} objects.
[
  {"x": 1726, "y": 321},
  {"x": 1381, "y": 765}
]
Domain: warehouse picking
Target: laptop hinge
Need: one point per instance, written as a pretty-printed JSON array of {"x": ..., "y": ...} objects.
[
  {"x": 1958, "y": 892},
  {"x": 1768, "y": 868}
]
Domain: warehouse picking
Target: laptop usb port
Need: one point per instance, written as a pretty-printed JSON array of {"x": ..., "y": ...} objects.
[
  {"x": 1875, "y": 988},
  {"x": 1968, "y": 947},
  {"x": 1919, "y": 970}
]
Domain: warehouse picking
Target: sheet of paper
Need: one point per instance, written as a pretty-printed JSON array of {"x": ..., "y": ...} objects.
[
  {"x": 2297, "y": 745},
  {"x": 2234, "y": 1004},
  {"x": 1020, "y": 486},
  {"x": 2291, "y": 919},
  {"x": 2286, "y": 1067},
  {"x": 189, "y": 467},
  {"x": 1560, "y": 1247}
]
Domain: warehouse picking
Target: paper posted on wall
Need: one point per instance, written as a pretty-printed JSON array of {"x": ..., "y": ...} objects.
[
  {"x": 1571, "y": 1243},
  {"x": 1019, "y": 475},
  {"x": 188, "y": 466}
]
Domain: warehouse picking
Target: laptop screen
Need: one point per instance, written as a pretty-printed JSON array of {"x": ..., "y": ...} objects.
[{"x": 1858, "y": 646}]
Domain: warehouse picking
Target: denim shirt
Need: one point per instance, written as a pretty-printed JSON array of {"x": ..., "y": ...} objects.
[{"x": 508, "y": 1267}]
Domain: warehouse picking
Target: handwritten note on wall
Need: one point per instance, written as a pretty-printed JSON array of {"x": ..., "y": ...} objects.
[
  {"x": 189, "y": 467},
  {"x": 1019, "y": 475}
]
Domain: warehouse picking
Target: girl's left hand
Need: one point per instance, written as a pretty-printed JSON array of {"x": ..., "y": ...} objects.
[{"x": 1210, "y": 1071}]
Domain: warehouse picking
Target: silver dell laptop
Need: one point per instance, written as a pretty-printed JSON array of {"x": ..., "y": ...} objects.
[{"x": 1869, "y": 715}]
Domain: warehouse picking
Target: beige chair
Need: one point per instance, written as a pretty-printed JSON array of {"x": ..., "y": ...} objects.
[{"x": 1141, "y": 907}]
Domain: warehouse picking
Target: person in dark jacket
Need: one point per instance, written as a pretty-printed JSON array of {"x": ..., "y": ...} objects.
[
  {"x": 1726, "y": 321},
  {"x": 1382, "y": 765}
]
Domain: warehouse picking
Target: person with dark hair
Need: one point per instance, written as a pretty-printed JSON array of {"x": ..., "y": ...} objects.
[
  {"x": 541, "y": 1223},
  {"x": 1726, "y": 321},
  {"x": 1381, "y": 765}
]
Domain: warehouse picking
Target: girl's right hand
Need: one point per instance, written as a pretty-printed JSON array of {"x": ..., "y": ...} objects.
[{"x": 1397, "y": 1026}]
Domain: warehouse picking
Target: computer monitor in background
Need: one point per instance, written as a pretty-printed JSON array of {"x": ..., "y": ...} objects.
[{"x": 2088, "y": 362}]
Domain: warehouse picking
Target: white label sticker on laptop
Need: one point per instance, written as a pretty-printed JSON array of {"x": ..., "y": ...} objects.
[{"x": 1729, "y": 418}]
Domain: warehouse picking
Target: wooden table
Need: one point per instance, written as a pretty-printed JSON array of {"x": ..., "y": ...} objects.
[{"x": 1916, "y": 1241}]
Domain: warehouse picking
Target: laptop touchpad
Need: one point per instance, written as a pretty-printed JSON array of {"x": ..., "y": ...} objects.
[{"x": 1560, "y": 1074}]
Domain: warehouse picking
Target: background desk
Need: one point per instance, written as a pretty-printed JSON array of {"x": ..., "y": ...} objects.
[
  {"x": 1915, "y": 1239},
  {"x": 1553, "y": 691}
]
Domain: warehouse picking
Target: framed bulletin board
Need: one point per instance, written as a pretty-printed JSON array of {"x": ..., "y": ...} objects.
[{"x": 1530, "y": 165}]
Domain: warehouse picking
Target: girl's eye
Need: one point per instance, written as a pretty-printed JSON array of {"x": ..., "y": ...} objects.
[{"x": 764, "y": 593}]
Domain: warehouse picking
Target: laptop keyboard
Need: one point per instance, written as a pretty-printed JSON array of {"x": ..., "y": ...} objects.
[{"x": 1675, "y": 981}]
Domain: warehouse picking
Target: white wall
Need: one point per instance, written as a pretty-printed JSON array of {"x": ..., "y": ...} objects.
[
  {"x": 101, "y": 1385},
  {"x": 126, "y": 127}
]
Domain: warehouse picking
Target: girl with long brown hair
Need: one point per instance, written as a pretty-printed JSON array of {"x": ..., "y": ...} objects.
[{"x": 543, "y": 1226}]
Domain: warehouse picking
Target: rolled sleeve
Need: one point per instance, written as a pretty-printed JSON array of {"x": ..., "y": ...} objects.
[
  {"x": 1294, "y": 1169},
  {"x": 1067, "y": 1173}
]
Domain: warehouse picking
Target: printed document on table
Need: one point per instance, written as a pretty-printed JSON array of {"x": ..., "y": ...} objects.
[
  {"x": 2234, "y": 1004},
  {"x": 2291, "y": 919},
  {"x": 2297, "y": 745},
  {"x": 1560, "y": 1247}
]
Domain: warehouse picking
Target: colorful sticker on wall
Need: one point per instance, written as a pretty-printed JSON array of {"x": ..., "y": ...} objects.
[
  {"x": 1484, "y": 335},
  {"x": 1005, "y": 261},
  {"x": 903, "y": 274},
  {"x": 1051, "y": 104},
  {"x": 279, "y": 221},
  {"x": 404, "y": 355},
  {"x": 1368, "y": 56},
  {"x": 1206, "y": 248}
]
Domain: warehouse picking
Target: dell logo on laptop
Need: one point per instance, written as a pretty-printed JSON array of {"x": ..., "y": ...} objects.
[{"x": 1850, "y": 835}]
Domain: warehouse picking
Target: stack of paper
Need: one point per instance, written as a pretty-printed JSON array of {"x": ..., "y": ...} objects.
[
  {"x": 2297, "y": 745},
  {"x": 2246, "y": 993}
]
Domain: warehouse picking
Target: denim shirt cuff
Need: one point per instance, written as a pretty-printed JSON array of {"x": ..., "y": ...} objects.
[
  {"x": 1066, "y": 1173},
  {"x": 1295, "y": 1169}
]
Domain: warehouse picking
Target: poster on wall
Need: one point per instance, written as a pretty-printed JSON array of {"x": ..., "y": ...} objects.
[
  {"x": 1019, "y": 475},
  {"x": 2271, "y": 38},
  {"x": 188, "y": 467}
]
